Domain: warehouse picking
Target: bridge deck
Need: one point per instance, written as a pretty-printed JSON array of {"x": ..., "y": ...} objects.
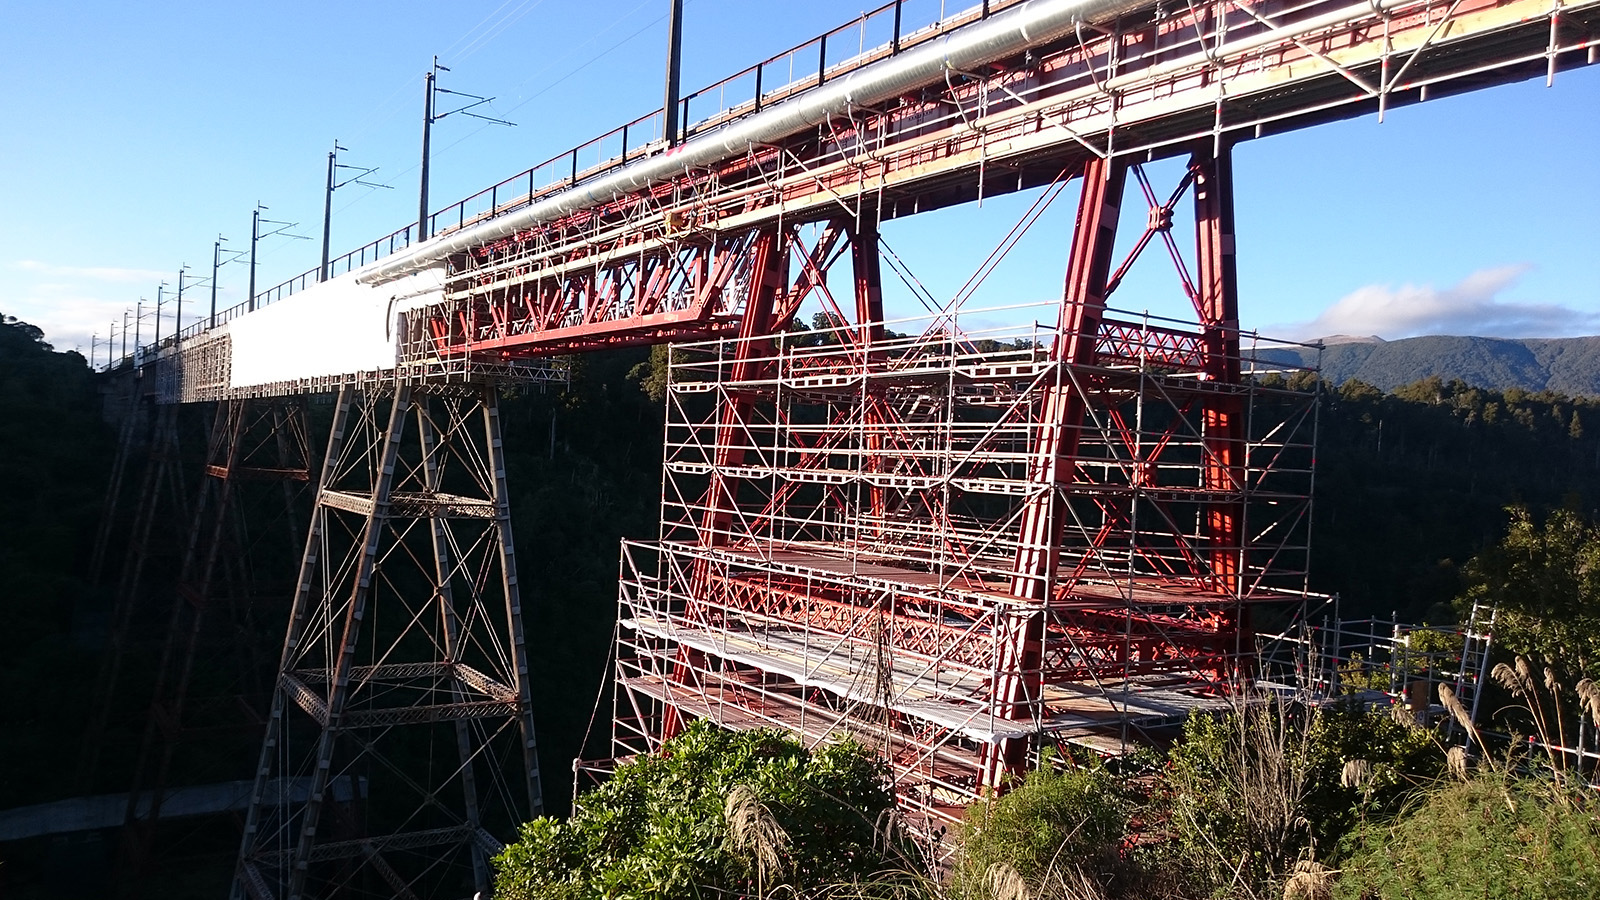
[{"x": 647, "y": 246}]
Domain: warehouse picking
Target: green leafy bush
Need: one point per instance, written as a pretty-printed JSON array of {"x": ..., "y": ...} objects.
[
  {"x": 659, "y": 827},
  {"x": 1490, "y": 838},
  {"x": 1055, "y": 821},
  {"x": 1545, "y": 580},
  {"x": 1249, "y": 794}
]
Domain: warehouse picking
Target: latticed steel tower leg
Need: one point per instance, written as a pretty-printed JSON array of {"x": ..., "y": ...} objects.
[
  {"x": 208, "y": 698},
  {"x": 400, "y": 746},
  {"x": 162, "y": 497},
  {"x": 127, "y": 433}
]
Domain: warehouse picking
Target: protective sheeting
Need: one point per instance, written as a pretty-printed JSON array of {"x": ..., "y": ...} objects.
[{"x": 338, "y": 327}]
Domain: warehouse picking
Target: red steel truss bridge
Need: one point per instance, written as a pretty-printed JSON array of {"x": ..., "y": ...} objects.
[{"x": 964, "y": 542}]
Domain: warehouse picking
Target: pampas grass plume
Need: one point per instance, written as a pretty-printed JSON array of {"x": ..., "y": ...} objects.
[
  {"x": 1507, "y": 678},
  {"x": 1310, "y": 881},
  {"x": 1525, "y": 674},
  {"x": 753, "y": 831},
  {"x": 1452, "y": 703},
  {"x": 1005, "y": 883},
  {"x": 1589, "y": 697},
  {"x": 1357, "y": 774}
]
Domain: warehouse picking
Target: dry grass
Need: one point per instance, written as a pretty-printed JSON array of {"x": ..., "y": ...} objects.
[
  {"x": 1309, "y": 881},
  {"x": 1453, "y": 705},
  {"x": 1071, "y": 883},
  {"x": 753, "y": 833},
  {"x": 1006, "y": 883},
  {"x": 1240, "y": 816},
  {"x": 1357, "y": 774},
  {"x": 1589, "y": 699}
]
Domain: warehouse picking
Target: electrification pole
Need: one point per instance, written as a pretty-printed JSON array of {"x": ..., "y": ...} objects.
[
  {"x": 431, "y": 88},
  {"x": 216, "y": 263},
  {"x": 669, "y": 110},
  {"x": 124, "y": 334},
  {"x": 159, "y": 288},
  {"x": 177, "y": 329},
  {"x": 333, "y": 185},
  {"x": 138, "y": 313},
  {"x": 327, "y": 210},
  {"x": 255, "y": 235},
  {"x": 427, "y": 133}
]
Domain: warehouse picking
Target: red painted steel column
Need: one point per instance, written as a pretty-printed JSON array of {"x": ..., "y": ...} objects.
[
  {"x": 769, "y": 267},
  {"x": 868, "y": 281},
  {"x": 869, "y": 321},
  {"x": 1051, "y": 466},
  {"x": 1222, "y": 415},
  {"x": 753, "y": 357}
]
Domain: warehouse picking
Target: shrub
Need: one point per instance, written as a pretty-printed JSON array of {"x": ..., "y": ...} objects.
[
  {"x": 1492, "y": 837},
  {"x": 659, "y": 828},
  {"x": 1054, "y": 824},
  {"x": 1250, "y": 794}
]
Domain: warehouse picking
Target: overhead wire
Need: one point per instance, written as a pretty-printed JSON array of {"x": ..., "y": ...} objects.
[
  {"x": 511, "y": 18},
  {"x": 572, "y": 72},
  {"x": 505, "y": 23}
]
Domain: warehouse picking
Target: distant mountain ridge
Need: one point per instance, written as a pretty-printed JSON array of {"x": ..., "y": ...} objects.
[{"x": 1566, "y": 365}]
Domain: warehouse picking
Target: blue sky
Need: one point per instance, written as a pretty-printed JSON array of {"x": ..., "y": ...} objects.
[{"x": 137, "y": 133}]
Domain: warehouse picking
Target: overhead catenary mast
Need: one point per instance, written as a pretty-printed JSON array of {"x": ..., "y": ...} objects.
[
  {"x": 256, "y": 221},
  {"x": 430, "y": 92},
  {"x": 669, "y": 108},
  {"x": 327, "y": 204}
]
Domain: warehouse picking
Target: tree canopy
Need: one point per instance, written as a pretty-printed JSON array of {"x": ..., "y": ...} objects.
[{"x": 1545, "y": 580}]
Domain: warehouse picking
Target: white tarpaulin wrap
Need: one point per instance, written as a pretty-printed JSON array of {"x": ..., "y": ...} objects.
[{"x": 338, "y": 327}]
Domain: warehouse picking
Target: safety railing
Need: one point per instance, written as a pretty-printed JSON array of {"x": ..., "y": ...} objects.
[{"x": 873, "y": 35}]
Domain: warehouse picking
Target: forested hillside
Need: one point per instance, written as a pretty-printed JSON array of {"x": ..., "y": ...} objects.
[
  {"x": 1564, "y": 365},
  {"x": 55, "y": 452},
  {"x": 1412, "y": 483}
]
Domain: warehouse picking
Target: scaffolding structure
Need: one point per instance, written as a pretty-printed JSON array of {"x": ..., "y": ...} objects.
[
  {"x": 970, "y": 542},
  {"x": 1386, "y": 661}
]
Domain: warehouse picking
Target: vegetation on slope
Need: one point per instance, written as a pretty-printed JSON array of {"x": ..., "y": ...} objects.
[
  {"x": 1495, "y": 837},
  {"x": 1269, "y": 800},
  {"x": 1567, "y": 365},
  {"x": 716, "y": 812},
  {"x": 56, "y": 452}
]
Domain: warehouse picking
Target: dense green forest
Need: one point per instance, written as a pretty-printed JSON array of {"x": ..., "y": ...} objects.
[
  {"x": 55, "y": 452},
  {"x": 1411, "y": 485}
]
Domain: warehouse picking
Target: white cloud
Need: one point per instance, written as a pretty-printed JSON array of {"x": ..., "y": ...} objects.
[
  {"x": 1471, "y": 306},
  {"x": 93, "y": 273},
  {"x": 72, "y": 304},
  {"x": 69, "y": 321}
]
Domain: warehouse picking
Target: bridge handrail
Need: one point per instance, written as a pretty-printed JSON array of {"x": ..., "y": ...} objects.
[{"x": 621, "y": 145}]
